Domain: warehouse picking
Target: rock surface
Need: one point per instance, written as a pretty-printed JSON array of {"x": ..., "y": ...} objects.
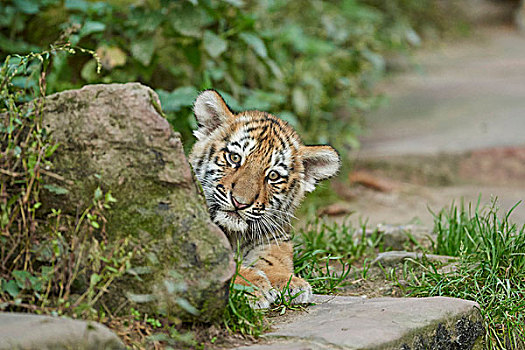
[
  {"x": 398, "y": 237},
  {"x": 114, "y": 137},
  {"x": 395, "y": 257},
  {"x": 382, "y": 323},
  {"x": 25, "y": 331}
]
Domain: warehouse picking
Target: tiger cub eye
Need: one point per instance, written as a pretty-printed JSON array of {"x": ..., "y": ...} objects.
[
  {"x": 273, "y": 175},
  {"x": 234, "y": 158}
]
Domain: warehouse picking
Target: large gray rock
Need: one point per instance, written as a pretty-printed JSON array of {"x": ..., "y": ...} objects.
[
  {"x": 26, "y": 331},
  {"x": 114, "y": 136},
  {"x": 382, "y": 323}
]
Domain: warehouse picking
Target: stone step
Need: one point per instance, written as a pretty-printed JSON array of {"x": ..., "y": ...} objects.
[
  {"x": 341, "y": 322},
  {"x": 27, "y": 331}
]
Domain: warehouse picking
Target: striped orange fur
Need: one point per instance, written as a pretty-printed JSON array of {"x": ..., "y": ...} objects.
[{"x": 254, "y": 171}]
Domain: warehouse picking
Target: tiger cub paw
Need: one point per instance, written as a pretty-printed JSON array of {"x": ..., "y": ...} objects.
[
  {"x": 264, "y": 294},
  {"x": 264, "y": 298},
  {"x": 296, "y": 290}
]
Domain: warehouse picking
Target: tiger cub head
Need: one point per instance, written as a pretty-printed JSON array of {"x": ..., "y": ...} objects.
[{"x": 253, "y": 168}]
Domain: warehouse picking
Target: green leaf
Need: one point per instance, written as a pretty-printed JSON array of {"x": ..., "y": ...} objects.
[
  {"x": 178, "y": 98},
  {"x": 25, "y": 280},
  {"x": 56, "y": 189},
  {"x": 142, "y": 50},
  {"x": 276, "y": 71},
  {"x": 263, "y": 100},
  {"x": 98, "y": 194},
  {"x": 190, "y": 20},
  {"x": 109, "y": 198},
  {"x": 24, "y": 82},
  {"x": 255, "y": 43},
  {"x": 51, "y": 150},
  {"x": 79, "y": 5},
  {"x": 236, "y": 3},
  {"x": 29, "y": 7},
  {"x": 90, "y": 27},
  {"x": 147, "y": 22},
  {"x": 241, "y": 287},
  {"x": 290, "y": 118},
  {"x": 94, "y": 279},
  {"x": 89, "y": 71},
  {"x": 214, "y": 44},
  {"x": 12, "y": 288}
]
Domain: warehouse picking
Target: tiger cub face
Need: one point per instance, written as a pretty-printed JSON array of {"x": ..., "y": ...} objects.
[{"x": 253, "y": 168}]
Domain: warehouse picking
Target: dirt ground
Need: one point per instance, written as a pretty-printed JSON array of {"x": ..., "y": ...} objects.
[{"x": 409, "y": 188}]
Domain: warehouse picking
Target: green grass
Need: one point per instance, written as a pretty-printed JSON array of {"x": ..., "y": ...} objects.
[
  {"x": 324, "y": 251},
  {"x": 453, "y": 228},
  {"x": 490, "y": 271},
  {"x": 239, "y": 316}
]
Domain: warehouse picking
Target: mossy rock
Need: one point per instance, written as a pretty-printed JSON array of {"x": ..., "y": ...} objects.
[{"x": 113, "y": 137}]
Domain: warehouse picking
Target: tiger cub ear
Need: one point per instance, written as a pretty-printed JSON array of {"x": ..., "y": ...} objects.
[
  {"x": 320, "y": 162},
  {"x": 210, "y": 111}
]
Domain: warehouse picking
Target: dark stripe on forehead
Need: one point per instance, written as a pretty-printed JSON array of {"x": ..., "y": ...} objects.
[
  {"x": 264, "y": 123},
  {"x": 274, "y": 134},
  {"x": 265, "y": 135}
]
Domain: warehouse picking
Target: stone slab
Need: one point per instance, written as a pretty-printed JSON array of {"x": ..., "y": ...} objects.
[
  {"x": 26, "y": 331},
  {"x": 398, "y": 236},
  {"x": 464, "y": 96},
  {"x": 288, "y": 345},
  {"x": 395, "y": 257},
  {"x": 384, "y": 323}
]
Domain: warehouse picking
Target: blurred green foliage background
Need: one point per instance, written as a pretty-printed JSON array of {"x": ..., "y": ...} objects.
[{"x": 312, "y": 62}]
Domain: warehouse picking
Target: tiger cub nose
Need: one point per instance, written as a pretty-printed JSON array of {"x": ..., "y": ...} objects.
[{"x": 238, "y": 205}]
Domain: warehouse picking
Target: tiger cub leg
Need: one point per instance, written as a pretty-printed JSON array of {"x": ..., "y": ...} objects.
[
  {"x": 264, "y": 293},
  {"x": 271, "y": 272},
  {"x": 277, "y": 263}
]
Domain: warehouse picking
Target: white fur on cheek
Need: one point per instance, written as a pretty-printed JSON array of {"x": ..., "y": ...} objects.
[{"x": 234, "y": 225}]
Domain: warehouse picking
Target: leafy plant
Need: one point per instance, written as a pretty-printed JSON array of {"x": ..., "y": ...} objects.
[
  {"x": 312, "y": 62},
  {"x": 490, "y": 271}
]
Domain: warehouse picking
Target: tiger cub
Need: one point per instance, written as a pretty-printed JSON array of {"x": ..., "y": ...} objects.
[{"x": 254, "y": 171}]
